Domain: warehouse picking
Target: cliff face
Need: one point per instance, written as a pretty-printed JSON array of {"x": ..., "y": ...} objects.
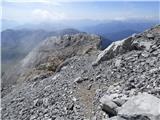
[{"x": 88, "y": 83}]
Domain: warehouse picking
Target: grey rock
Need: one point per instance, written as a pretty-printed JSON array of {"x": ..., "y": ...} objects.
[
  {"x": 150, "y": 36},
  {"x": 119, "y": 101},
  {"x": 56, "y": 94},
  {"x": 116, "y": 118},
  {"x": 143, "y": 105},
  {"x": 49, "y": 56},
  {"x": 38, "y": 102},
  {"x": 59, "y": 118},
  {"x": 108, "y": 105},
  {"x": 78, "y": 80},
  {"x": 120, "y": 47},
  {"x": 89, "y": 86}
]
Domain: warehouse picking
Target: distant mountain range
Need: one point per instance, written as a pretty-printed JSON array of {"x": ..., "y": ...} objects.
[
  {"x": 8, "y": 24},
  {"x": 116, "y": 30},
  {"x": 21, "y": 39}
]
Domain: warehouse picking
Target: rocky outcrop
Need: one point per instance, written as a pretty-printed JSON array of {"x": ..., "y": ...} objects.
[
  {"x": 56, "y": 49},
  {"x": 49, "y": 56},
  {"x": 78, "y": 90},
  {"x": 108, "y": 105},
  {"x": 142, "y": 106},
  {"x": 134, "y": 42}
]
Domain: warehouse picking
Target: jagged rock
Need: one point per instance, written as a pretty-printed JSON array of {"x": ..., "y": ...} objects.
[
  {"x": 119, "y": 101},
  {"x": 145, "y": 54},
  {"x": 150, "y": 36},
  {"x": 38, "y": 102},
  {"x": 123, "y": 46},
  {"x": 108, "y": 105},
  {"x": 118, "y": 47},
  {"x": 100, "y": 116},
  {"x": 79, "y": 80},
  {"x": 70, "y": 106},
  {"x": 140, "y": 107},
  {"x": 89, "y": 86},
  {"x": 118, "y": 62}
]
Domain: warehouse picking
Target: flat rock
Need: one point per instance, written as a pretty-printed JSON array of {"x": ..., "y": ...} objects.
[{"x": 142, "y": 105}]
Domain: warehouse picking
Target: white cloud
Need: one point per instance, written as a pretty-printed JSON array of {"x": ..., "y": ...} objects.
[{"x": 45, "y": 15}]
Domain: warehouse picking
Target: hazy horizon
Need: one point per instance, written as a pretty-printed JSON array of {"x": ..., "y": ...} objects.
[{"x": 37, "y": 11}]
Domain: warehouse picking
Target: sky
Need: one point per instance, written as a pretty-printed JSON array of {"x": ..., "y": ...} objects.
[{"x": 54, "y": 10}]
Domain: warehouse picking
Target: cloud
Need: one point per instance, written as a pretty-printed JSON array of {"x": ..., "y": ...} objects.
[
  {"x": 45, "y": 15},
  {"x": 136, "y": 18}
]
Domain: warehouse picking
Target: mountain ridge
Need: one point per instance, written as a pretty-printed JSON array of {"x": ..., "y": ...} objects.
[
  {"x": 125, "y": 72},
  {"x": 16, "y": 44}
]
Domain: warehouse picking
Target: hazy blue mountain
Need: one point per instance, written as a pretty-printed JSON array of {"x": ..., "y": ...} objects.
[
  {"x": 115, "y": 30},
  {"x": 119, "y": 35},
  {"x": 18, "y": 43},
  {"x": 58, "y": 25},
  {"x": 48, "y": 26},
  {"x": 8, "y": 24}
]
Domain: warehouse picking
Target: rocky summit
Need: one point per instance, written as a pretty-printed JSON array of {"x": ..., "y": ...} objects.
[{"x": 70, "y": 78}]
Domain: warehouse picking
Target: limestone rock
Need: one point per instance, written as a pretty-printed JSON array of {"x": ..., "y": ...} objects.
[
  {"x": 144, "y": 105},
  {"x": 108, "y": 105},
  {"x": 150, "y": 36}
]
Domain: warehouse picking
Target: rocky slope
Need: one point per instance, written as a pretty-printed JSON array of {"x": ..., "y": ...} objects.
[
  {"x": 16, "y": 44},
  {"x": 119, "y": 83},
  {"x": 49, "y": 56}
]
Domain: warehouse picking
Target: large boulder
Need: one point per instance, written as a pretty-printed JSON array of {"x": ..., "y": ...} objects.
[
  {"x": 108, "y": 105},
  {"x": 114, "y": 49},
  {"x": 141, "y": 107}
]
